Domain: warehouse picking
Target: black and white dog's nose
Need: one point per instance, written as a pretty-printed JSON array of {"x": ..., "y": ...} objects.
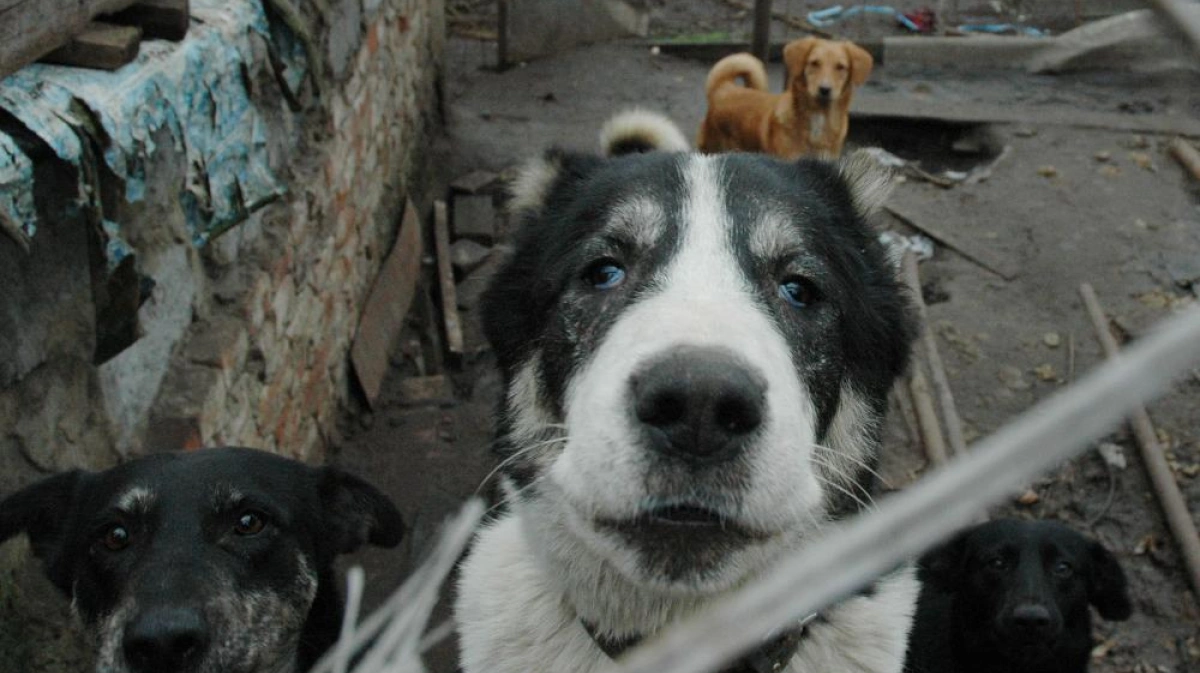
[
  {"x": 698, "y": 403},
  {"x": 165, "y": 639}
]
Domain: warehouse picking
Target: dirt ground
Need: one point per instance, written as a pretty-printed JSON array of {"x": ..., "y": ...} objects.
[{"x": 1065, "y": 205}]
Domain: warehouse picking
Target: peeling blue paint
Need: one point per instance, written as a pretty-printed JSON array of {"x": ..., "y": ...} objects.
[
  {"x": 195, "y": 90},
  {"x": 16, "y": 193}
]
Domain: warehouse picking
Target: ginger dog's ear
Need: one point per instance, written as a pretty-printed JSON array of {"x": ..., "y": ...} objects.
[
  {"x": 860, "y": 63},
  {"x": 795, "y": 55}
]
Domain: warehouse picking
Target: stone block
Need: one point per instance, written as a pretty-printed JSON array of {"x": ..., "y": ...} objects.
[{"x": 474, "y": 217}]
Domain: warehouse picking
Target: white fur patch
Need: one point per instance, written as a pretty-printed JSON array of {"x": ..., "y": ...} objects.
[
  {"x": 512, "y": 617},
  {"x": 651, "y": 128},
  {"x": 533, "y": 181}
]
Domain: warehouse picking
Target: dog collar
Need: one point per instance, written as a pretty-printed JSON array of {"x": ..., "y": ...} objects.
[{"x": 773, "y": 656}]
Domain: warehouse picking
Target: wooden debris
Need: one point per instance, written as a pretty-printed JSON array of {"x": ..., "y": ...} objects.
[
  {"x": 475, "y": 217},
  {"x": 158, "y": 19},
  {"x": 441, "y": 237},
  {"x": 426, "y": 390},
  {"x": 1186, "y": 154},
  {"x": 30, "y": 29},
  {"x": 983, "y": 256},
  {"x": 386, "y": 306},
  {"x": 1175, "y": 507},
  {"x": 102, "y": 46}
]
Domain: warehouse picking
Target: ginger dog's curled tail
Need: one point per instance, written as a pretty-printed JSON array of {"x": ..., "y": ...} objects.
[
  {"x": 636, "y": 130},
  {"x": 728, "y": 69}
]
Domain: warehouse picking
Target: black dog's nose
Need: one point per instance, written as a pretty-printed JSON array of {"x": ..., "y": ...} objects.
[
  {"x": 698, "y": 403},
  {"x": 165, "y": 639},
  {"x": 824, "y": 91},
  {"x": 1031, "y": 617}
]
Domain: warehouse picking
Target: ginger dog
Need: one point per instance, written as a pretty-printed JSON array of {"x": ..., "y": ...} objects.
[{"x": 810, "y": 118}]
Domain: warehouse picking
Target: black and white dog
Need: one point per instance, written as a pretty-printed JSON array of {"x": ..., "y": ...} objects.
[
  {"x": 214, "y": 561},
  {"x": 1012, "y": 595},
  {"x": 697, "y": 352}
]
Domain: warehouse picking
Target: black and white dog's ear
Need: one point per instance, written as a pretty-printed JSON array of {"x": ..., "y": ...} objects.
[
  {"x": 357, "y": 513},
  {"x": 1106, "y": 584},
  {"x": 870, "y": 182},
  {"x": 538, "y": 179},
  {"x": 43, "y": 511},
  {"x": 943, "y": 565}
]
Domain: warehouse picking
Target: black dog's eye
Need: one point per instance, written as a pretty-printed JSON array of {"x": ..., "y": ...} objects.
[
  {"x": 1063, "y": 570},
  {"x": 997, "y": 563},
  {"x": 249, "y": 523},
  {"x": 115, "y": 538},
  {"x": 604, "y": 274},
  {"x": 799, "y": 292}
]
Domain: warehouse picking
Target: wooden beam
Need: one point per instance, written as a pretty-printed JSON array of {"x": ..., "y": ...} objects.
[
  {"x": 30, "y": 29},
  {"x": 762, "y": 29},
  {"x": 102, "y": 46}
]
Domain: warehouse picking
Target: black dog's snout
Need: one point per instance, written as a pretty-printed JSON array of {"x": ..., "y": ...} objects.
[
  {"x": 1031, "y": 618},
  {"x": 170, "y": 639},
  {"x": 698, "y": 403},
  {"x": 824, "y": 91}
]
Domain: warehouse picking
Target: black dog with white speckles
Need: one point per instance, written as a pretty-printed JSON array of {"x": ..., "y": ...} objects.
[{"x": 214, "y": 561}]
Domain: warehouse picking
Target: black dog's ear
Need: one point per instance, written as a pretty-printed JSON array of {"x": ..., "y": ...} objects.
[
  {"x": 40, "y": 510},
  {"x": 1106, "y": 584},
  {"x": 942, "y": 566},
  {"x": 357, "y": 513}
]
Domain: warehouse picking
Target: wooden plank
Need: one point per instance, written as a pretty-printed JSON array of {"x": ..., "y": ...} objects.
[
  {"x": 102, "y": 46},
  {"x": 441, "y": 237},
  {"x": 159, "y": 19},
  {"x": 387, "y": 305},
  {"x": 980, "y": 254},
  {"x": 869, "y": 105},
  {"x": 30, "y": 29}
]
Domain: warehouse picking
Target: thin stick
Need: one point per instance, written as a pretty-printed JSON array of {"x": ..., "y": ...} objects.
[
  {"x": 1187, "y": 155},
  {"x": 941, "y": 384},
  {"x": 1174, "y": 507},
  {"x": 915, "y": 519},
  {"x": 927, "y": 420}
]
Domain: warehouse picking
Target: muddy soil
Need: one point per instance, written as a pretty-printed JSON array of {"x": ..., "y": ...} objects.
[{"x": 1065, "y": 205}]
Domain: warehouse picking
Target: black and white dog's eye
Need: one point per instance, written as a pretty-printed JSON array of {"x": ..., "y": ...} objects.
[
  {"x": 997, "y": 563},
  {"x": 799, "y": 292},
  {"x": 249, "y": 523},
  {"x": 1063, "y": 569},
  {"x": 115, "y": 538},
  {"x": 604, "y": 274}
]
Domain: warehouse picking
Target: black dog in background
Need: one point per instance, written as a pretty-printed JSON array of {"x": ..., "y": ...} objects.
[
  {"x": 1011, "y": 596},
  {"x": 213, "y": 561}
]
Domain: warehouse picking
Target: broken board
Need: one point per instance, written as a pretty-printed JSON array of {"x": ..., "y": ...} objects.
[
  {"x": 30, "y": 29},
  {"x": 387, "y": 305},
  {"x": 103, "y": 46}
]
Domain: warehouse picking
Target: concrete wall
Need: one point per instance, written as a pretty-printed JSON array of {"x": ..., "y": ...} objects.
[{"x": 244, "y": 340}]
